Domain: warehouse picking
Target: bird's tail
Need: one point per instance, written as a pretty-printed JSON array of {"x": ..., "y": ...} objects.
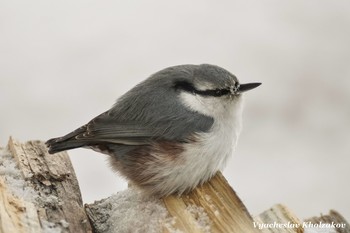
[
  {"x": 56, "y": 145},
  {"x": 66, "y": 142}
]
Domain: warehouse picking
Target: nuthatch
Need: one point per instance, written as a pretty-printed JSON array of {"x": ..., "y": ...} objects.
[{"x": 171, "y": 132}]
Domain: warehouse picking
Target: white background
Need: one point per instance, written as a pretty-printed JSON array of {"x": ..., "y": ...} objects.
[{"x": 64, "y": 62}]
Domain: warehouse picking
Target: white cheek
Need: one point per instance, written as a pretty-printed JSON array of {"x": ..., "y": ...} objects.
[
  {"x": 215, "y": 107},
  {"x": 197, "y": 103}
]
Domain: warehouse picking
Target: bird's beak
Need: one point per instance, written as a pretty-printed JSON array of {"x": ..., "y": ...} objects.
[{"x": 246, "y": 87}]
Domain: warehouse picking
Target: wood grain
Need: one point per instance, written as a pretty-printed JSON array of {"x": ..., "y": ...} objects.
[
  {"x": 221, "y": 204},
  {"x": 280, "y": 214},
  {"x": 59, "y": 202},
  {"x": 53, "y": 178},
  {"x": 16, "y": 215},
  {"x": 332, "y": 217}
]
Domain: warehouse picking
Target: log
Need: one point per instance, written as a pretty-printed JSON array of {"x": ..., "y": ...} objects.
[
  {"x": 213, "y": 207},
  {"x": 52, "y": 199},
  {"x": 16, "y": 215},
  {"x": 225, "y": 210},
  {"x": 278, "y": 219},
  {"x": 39, "y": 192},
  {"x": 335, "y": 220}
]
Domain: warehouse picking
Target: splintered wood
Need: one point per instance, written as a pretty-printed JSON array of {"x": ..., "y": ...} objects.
[
  {"x": 218, "y": 200},
  {"x": 56, "y": 202},
  {"x": 15, "y": 211},
  {"x": 333, "y": 219},
  {"x": 279, "y": 219}
]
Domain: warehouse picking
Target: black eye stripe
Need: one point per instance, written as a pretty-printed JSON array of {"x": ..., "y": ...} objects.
[
  {"x": 216, "y": 92},
  {"x": 183, "y": 85},
  {"x": 186, "y": 86}
]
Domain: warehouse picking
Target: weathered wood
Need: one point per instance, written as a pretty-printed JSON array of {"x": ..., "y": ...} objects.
[
  {"x": 214, "y": 207},
  {"x": 334, "y": 219},
  {"x": 184, "y": 221},
  {"x": 128, "y": 211},
  {"x": 279, "y": 219},
  {"x": 58, "y": 202},
  {"x": 220, "y": 203},
  {"x": 16, "y": 215},
  {"x": 97, "y": 215}
]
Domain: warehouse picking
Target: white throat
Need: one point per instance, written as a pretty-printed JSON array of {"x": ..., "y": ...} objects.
[{"x": 213, "y": 149}]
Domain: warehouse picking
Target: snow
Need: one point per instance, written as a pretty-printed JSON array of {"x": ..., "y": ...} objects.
[
  {"x": 169, "y": 224},
  {"x": 50, "y": 227},
  {"x": 64, "y": 223},
  {"x": 18, "y": 187},
  {"x": 130, "y": 211},
  {"x": 201, "y": 217},
  {"x": 13, "y": 178}
]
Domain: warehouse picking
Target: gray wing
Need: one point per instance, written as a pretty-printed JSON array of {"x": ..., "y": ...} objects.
[{"x": 107, "y": 128}]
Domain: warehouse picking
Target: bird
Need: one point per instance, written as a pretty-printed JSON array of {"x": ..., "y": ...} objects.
[{"x": 170, "y": 133}]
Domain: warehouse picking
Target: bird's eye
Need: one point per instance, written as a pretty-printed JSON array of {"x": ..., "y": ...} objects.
[
  {"x": 219, "y": 92},
  {"x": 236, "y": 87}
]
